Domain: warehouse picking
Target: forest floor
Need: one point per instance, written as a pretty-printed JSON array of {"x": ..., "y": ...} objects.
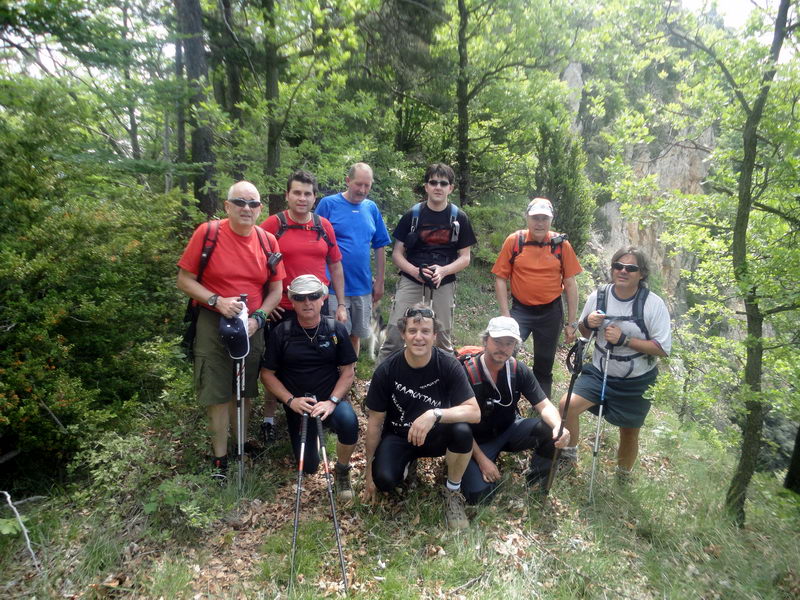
[{"x": 146, "y": 522}]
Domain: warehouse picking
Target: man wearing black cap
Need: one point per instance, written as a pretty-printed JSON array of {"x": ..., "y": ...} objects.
[
  {"x": 239, "y": 263},
  {"x": 309, "y": 366}
]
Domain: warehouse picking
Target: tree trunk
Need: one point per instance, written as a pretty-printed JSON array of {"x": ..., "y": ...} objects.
[
  {"x": 751, "y": 431},
  {"x": 180, "y": 116},
  {"x": 133, "y": 125},
  {"x": 190, "y": 25},
  {"x": 234, "y": 77},
  {"x": 792, "y": 481},
  {"x": 272, "y": 95},
  {"x": 462, "y": 101}
]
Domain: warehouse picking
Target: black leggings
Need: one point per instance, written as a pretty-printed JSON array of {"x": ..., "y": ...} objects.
[{"x": 394, "y": 452}]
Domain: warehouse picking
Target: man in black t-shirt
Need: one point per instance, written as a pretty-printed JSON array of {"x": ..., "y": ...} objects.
[
  {"x": 309, "y": 365},
  {"x": 498, "y": 381},
  {"x": 420, "y": 405},
  {"x": 432, "y": 244}
]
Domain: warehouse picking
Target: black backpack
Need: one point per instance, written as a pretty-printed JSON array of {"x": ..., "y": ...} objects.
[
  {"x": 317, "y": 227},
  {"x": 556, "y": 242},
  {"x": 470, "y": 360}
]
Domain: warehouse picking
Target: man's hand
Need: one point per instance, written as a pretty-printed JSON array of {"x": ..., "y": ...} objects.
[
  {"x": 276, "y": 314},
  {"x": 302, "y": 404},
  {"x": 613, "y": 333},
  {"x": 370, "y": 492},
  {"x": 341, "y": 313},
  {"x": 438, "y": 273},
  {"x": 377, "y": 292},
  {"x": 489, "y": 470},
  {"x": 229, "y": 307},
  {"x": 563, "y": 441},
  {"x": 252, "y": 326},
  {"x": 569, "y": 334},
  {"x": 322, "y": 409},
  {"x": 420, "y": 428},
  {"x": 595, "y": 319}
]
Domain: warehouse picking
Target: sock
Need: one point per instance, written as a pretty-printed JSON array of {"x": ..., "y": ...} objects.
[
  {"x": 453, "y": 486},
  {"x": 270, "y": 420},
  {"x": 570, "y": 451}
]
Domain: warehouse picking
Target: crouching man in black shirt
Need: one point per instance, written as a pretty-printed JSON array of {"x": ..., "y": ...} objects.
[{"x": 420, "y": 405}]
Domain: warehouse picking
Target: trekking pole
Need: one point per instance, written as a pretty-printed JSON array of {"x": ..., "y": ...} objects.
[
  {"x": 240, "y": 408},
  {"x": 575, "y": 366},
  {"x": 303, "y": 432},
  {"x": 324, "y": 453},
  {"x": 600, "y": 423}
]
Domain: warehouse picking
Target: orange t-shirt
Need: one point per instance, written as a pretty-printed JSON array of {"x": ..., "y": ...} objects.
[
  {"x": 537, "y": 275},
  {"x": 237, "y": 264}
]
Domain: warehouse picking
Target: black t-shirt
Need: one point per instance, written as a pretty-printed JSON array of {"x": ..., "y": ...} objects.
[
  {"x": 498, "y": 416},
  {"x": 404, "y": 393},
  {"x": 433, "y": 245},
  {"x": 304, "y": 366}
]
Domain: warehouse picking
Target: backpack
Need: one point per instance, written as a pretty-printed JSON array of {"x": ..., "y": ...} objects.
[
  {"x": 455, "y": 226},
  {"x": 209, "y": 244},
  {"x": 469, "y": 357},
  {"x": 317, "y": 227},
  {"x": 637, "y": 317},
  {"x": 556, "y": 243}
]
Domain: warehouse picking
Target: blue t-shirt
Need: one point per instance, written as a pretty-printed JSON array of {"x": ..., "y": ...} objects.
[{"x": 359, "y": 228}]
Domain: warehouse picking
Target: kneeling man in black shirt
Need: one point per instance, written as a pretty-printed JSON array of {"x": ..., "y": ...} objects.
[{"x": 420, "y": 405}]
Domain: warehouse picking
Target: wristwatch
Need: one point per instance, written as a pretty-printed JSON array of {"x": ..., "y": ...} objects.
[
  {"x": 335, "y": 400},
  {"x": 212, "y": 301},
  {"x": 437, "y": 412},
  {"x": 574, "y": 324}
]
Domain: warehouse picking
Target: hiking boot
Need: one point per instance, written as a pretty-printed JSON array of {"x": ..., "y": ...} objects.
[
  {"x": 624, "y": 476},
  {"x": 267, "y": 432},
  {"x": 567, "y": 463},
  {"x": 219, "y": 469},
  {"x": 341, "y": 478},
  {"x": 454, "y": 513},
  {"x": 410, "y": 476}
]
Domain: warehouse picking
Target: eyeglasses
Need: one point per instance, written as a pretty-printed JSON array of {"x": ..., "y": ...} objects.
[
  {"x": 425, "y": 313},
  {"x": 303, "y": 297},
  {"x": 618, "y": 266},
  {"x": 438, "y": 182},
  {"x": 241, "y": 203}
]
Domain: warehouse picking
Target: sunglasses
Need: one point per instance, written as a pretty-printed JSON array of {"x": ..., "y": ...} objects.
[
  {"x": 618, "y": 266},
  {"x": 438, "y": 182},
  {"x": 425, "y": 313},
  {"x": 241, "y": 203},
  {"x": 304, "y": 297}
]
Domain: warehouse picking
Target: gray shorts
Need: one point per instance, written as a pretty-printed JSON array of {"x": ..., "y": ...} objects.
[{"x": 359, "y": 312}]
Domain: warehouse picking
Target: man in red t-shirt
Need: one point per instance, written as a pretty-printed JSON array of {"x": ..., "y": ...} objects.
[
  {"x": 540, "y": 268},
  {"x": 238, "y": 265},
  {"x": 308, "y": 244}
]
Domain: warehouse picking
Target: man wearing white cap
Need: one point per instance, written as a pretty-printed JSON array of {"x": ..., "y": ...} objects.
[
  {"x": 499, "y": 380},
  {"x": 309, "y": 366},
  {"x": 541, "y": 264}
]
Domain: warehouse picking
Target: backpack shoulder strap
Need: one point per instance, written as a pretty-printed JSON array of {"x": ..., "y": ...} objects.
[
  {"x": 209, "y": 243},
  {"x": 455, "y": 226},
  {"x": 473, "y": 369},
  {"x": 415, "y": 210},
  {"x": 638, "y": 310},
  {"x": 602, "y": 297},
  {"x": 320, "y": 229},
  {"x": 518, "y": 247},
  {"x": 283, "y": 224}
]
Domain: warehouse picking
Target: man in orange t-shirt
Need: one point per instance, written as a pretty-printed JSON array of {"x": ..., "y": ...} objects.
[{"x": 540, "y": 268}]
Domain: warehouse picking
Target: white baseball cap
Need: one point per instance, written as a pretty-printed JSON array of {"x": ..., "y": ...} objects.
[
  {"x": 503, "y": 327},
  {"x": 540, "y": 206}
]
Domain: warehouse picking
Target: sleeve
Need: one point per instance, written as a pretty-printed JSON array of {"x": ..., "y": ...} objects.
[
  {"x": 502, "y": 266},
  {"x": 403, "y": 226},
  {"x": 323, "y": 208},
  {"x": 528, "y": 385},
  {"x": 381, "y": 236},
  {"x": 466, "y": 236},
  {"x": 271, "y": 224},
  {"x": 569, "y": 261},
  {"x": 378, "y": 393},
  {"x": 658, "y": 323},
  {"x": 190, "y": 259},
  {"x": 345, "y": 353},
  {"x": 334, "y": 254},
  {"x": 280, "y": 271},
  {"x": 273, "y": 350},
  {"x": 456, "y": 383},
  {"x": 588, "y": 308}
]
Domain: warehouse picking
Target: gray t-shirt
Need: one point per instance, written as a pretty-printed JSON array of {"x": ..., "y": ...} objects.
[{"x": 656, "y": 318}]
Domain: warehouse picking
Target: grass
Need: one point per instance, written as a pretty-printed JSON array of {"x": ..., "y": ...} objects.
[{"x": 664, "y": 536}]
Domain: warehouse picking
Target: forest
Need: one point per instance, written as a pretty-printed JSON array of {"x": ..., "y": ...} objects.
[{"x": 647, "y": 122}]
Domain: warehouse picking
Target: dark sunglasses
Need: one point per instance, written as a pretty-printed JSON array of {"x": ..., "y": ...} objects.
[
  {"x": 618, "y": 266},
  {"x": 304, "y": 297},
  {"x": 425, "y": 313},
  {"x": 438, "y": 182},
  {"x": 241, "y": 203}
]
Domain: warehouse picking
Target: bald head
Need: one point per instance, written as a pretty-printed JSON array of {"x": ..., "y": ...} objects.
[
  {"x": 243, "y": 189},
  {"x": 359, "y": 183},
  {"x": 361, "y": 166}
]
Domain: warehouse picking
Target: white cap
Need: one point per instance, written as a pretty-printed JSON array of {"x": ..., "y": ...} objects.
[
  {"x": 307, "y": 284},
  {"x": 503, "y": 327},
  {"x": 540, "y": 206}
]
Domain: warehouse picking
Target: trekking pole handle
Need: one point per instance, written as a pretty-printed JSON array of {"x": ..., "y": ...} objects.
[{"x": 243, "y": 299}]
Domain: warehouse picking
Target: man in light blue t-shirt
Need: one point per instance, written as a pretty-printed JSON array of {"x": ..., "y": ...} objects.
[{"x": 359, "y": 227}]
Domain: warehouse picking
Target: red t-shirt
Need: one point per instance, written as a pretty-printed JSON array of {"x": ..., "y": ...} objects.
[
  {"x": 237, "y": 265},
  {"x": 537, "y": 274},
  {"x": 305, "y": 252}
]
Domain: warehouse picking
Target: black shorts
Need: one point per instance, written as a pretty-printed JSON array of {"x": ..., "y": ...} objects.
[{"x": 625, "y": 404}]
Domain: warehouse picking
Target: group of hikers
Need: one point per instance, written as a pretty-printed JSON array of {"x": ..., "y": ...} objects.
[{"x": 305, "y": 278}]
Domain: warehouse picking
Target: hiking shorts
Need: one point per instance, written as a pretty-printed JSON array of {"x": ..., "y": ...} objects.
[
  {"x": 359, "y": 312},
  {"x": 214, "y": 376},
  {"x": 625, "y": 405}
]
